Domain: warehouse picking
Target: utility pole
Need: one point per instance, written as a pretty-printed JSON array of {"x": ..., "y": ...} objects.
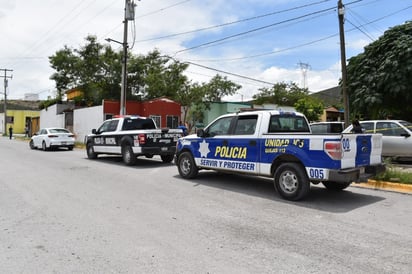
[
  {"x": 341, "y": 13},
  {"x": 129, "y": 6},
  {"x": 128, "y": 16},
  {"x": 5, "y": 96}
]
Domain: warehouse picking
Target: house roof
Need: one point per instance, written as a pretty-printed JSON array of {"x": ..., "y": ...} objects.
[
  {"x": 20, "y": 105},
  {"x": 330, "y": 96},
  {"x": 331, "y": 109}
]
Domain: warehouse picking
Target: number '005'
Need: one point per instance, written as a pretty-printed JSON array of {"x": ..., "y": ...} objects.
[{"x": 316, "y": 173}]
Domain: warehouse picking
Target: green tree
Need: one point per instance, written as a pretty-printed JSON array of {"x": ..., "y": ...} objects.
[
  {"x": 94, "y": 69},
  {"x": 380, "y": 78},
  {"x": 311, "y": 107},
  {"x": 283, "y": 94},
  {"x": 65, "y": 63},
  {"x": 200, "y": 96},
  {"x": 155, "y": 75},
  {"x": 192, "y": 103},
  {"x": 219, "y": 87}
]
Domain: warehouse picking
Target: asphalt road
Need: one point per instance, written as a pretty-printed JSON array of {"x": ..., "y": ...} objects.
[{"x": 63, "y": 213}]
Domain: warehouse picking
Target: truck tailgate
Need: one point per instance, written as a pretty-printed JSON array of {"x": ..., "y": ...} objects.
[
  {"x": 361, "y": 150},
  {"x": 163, "y": 137}
]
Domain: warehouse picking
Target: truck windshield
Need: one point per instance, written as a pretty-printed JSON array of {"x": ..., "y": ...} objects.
[{"x": 133, "y": 124}]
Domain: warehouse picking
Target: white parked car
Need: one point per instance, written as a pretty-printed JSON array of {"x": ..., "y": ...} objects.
[
  {"x": 52, "y": 138},
  {"x": 327, "y": 127},
  {"x": 396, "y": 136}
]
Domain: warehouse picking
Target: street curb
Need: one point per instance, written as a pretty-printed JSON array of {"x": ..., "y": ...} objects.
[{"x": 381, "y": 185}]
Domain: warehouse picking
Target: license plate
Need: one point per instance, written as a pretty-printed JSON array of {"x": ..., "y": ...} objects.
[
  {"x": 164, "y": 148},
  {"x": 63, "y": 143}
]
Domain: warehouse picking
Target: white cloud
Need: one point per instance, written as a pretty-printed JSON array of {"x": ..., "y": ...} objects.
[{"x": 34, "y": 30}]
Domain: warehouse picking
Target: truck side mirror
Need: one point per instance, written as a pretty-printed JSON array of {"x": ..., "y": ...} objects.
[
  {"x": 201, "y": 133},
  {"x": 94, "y": 131}
]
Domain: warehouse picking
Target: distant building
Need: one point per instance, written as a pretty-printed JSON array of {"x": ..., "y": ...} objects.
[
  {"x": 219, "y": 108},
  {"x": 31, "y": 97},
  {"x": 331, "y": 114},
  {"x": 73, "y": 93}
]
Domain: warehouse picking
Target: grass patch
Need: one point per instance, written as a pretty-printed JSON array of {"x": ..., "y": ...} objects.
[
  {"x": 395, "y": 175},
  {"x": 79, "y": 145}
]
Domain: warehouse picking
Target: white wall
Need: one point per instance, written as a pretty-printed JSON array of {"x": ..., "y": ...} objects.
[
  {"x": 2, "y": 123},
  {"x": 85, "y": 119},
  {"x": 50, "y": 118}
]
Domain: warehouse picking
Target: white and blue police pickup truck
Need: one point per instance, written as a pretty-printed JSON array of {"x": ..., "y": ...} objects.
[
  {"x": 132, "y": 136},
  {"x": 280, "y": 145}
]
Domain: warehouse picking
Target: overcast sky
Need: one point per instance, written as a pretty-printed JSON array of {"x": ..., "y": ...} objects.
[{"x": 267, "y": 41}]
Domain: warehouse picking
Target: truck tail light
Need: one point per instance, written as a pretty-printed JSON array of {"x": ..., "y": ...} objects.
[
  {"x": 333, "y": 149},
  {"x": 142, "y": 139}
]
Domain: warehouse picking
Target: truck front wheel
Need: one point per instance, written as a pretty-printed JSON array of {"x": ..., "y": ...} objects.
[
  {"x": 291, "y": 181},
  {"x": 186, "y": 165},
  {"x": 90, "y": 151},
  {"x": 335, "y": 186},
  {"x": 128, "y": 155}
]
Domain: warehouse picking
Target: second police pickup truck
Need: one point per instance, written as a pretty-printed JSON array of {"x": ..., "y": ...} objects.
[
  {"x": 280, "y": 145},
  {"x": 130, "y": 137}
]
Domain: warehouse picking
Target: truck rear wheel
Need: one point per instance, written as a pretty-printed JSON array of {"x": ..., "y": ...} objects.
[
  {"x": 186, "y": 166},
  {"x": 128, "y": 155},
  {"x": 335, "y": 186},
  {"x": 291, "y": 181},
  {"x": 167, "y": 158}
]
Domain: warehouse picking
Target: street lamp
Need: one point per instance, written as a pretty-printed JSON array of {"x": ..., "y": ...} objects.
[{"x": 123, "y": 86}]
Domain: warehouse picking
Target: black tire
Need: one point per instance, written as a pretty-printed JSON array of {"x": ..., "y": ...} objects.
[
  {"x": 31, "y": 144},
  {"x": 90, "y": 151},
  {"x": 186, "y": 166},
  {"x": 70, "y": 147},
  {"x": 335, "y": 186},
  {"x": 291, "y": 181},
  {"x": 43, "y": 146},
  {"x": 167, "y": 158},
  {"x": 128, "y": 155}
]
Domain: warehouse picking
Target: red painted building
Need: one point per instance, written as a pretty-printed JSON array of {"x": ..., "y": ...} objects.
[{"x": 165, "y": 112}]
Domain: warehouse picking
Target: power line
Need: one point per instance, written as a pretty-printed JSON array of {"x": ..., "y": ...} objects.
[
  {"x": 359, "y": 21},
  {"x": 271, "y": 52},
  {"x": 261, "y": 28},
  {"x": 233, "y": 22},
  {"x": 231, "y": 73},
  {"x": 163, "y": 9},
  {"x": 253, "y": 30},
  {"x": 303, "y": 44},
  {"x": 358, "y": 28}
]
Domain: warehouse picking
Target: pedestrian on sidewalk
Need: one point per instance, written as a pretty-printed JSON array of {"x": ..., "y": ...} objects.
[
  {"x": 26, "y": 131},
  {"x": 10, "y": 132}
]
